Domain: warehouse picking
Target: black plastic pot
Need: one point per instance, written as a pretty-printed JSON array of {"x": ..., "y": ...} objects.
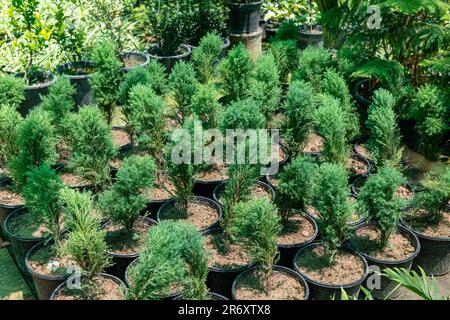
[
  {"x": 386, "y": 285},
  {"x": 6, "y": 210},
  {"x": 223, "y": 49},
  {"x": 104, "y": 275},
  {"x": 359, "y": 182},
  {"x": 324, "y": 291},
  {"x": 169, "y": 62},
  {"x": 361, "y": 140},
  {"x": 288, "y": 251},
  {"x": 205, "y": 188},
  {"x": 20, "y": 245},
  {"x": 168, "y": 205},
  {"x": 127, "y": 277},
  {"x": 244, "y": 17},
  {"x": 84, "y": 94},
  {"x": 220, "y": 280},
  {"x": 271, "y": 29},
  {"x": 212, "y": 296},
  {"x": 142, "y": 58},
  {"x": 288, "y": 271},
  {"x": 33, "y": 94},
  {"x": 220, "y": 188},
  {"x": 44, "y": 284},
  {"x": 434, "y": 255},
  {"x": 307, "y": 38},
  {"x": 122, "y": 261}
]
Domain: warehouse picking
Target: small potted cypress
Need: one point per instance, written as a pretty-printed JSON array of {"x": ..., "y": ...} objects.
[
  {"x": 206, "y": 57},
  {"x": 169, "y": 21},
  {"x": 86, "y": 246},
  {"x": 173, "y": 265},
  {"x": 204, "y": 213},
  {"x": 91, "y": 148},
  {"x": 294, "y": 192},
  {"x": 329, "y": 266},
  {"x": 257, "y": 224},
  {"x": 10, "y": 121},
  {"x": 36, "y": 144},
  {"x": 122, "y": 204},
  {"x": 428, "y": 217},
  {"x": 44, "y": 200},
  {"x": 382, "y": 241}
]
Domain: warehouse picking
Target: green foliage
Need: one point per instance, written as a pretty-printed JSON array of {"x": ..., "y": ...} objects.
[
  {"x": 174, "y": 256},
  {"x": 206, "y": 57},
  {"x": 431, "y": 113},
  {"x": 380, "y": 72},
  {"x": 145, "y": 118},
  {"x": 314, "y": 62},
  {"x": 235, "y": 72},
  {"x": 244, "y": 115},
  {"x": 285, "y": 54},
  {"x": 288, "y": 30},
  {"x": 265, "y": 87},
  {"x": 299, "y": 11},
  {"x": 331, "y": 124},
  {"x": 11, "y": 90},
  {"x": 180, "y": 167},
  {"x": 169, "y": 22},
  {"x": 294, "y": 191},
  {"x": 36, "y": 145},
  {"x": 183, "y": 84},
  {"x": 124, "y": 201},
  {"x": 435, "y": 198},
  {"x": 157, "y": 78},
  {"x": 10, "y": 120},
  {"x": 300, "y": 110},
  {"x": 59, "y": 103},
  {"x": 335, "y": 85},
  {"x": 379, "y": 203},
  {"x": 258, "y": 224},
  {"x": 86, "y": 241},
  {"x": 106, "y": 80},
  {"x": 207, "y": 16},
  {"x": 384, "y": 133},
  {"x": 42, "y": 194},
  {"x": 331, "y": 200},
  {"x": 91, "y": 146},
  {"x": 206, "y": 106}
]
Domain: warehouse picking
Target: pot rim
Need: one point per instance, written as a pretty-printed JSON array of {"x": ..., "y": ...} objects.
[
  {"x": 290, "y": 272},
  {"x": 225, "y": 270},
  {"x": 415, "y": 241},
  {"x": 35, "y": 273},
  {"x": 304, "y": 243},
  {"x": 4, "y": 183},
  {"x": 19, "y": 211},
  {"x": 421, "y": 235},
  {"x": 184, "y": 47},
  {"x": 334, "y": 286},
  {"x": 146, "y": 59},
  {"x": 104, "y": 275},
  {"x": 88, "y": 63},
  {"x": 211, "y": 202},
  {"x": 128, "y": 255},
  {"x": 223, "y": 185},
  {"x": 361, "y": 178},
  {"x": 225, "y": 45}
]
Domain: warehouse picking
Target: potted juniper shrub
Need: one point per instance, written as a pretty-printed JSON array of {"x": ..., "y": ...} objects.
[
  {"x": 10, "y": 120},
  {"x": 332, "y": 122},
  {"x": 110, "y": 14},
  {"x": 59, "y": 104},
  {"x": 235, "y": 72},
  {"x": 169, "y": 22},
  {"x": 145, "y": 117},
  {"x": 87, "y": 248},
  {"x": 329, "y": 266},
  {"x": 34, "y": 34},
  {"x": 244, "y": 16},
  {"x": 43, "y": 194},
  {"x": 285, "y": 54},
  {"x": 174, "y": 265},
  {"x": 257, "y": 224},
  {"x": 208, "y": 17},
  {"x": 428, "y": 218},
  {"x": 294, "y": 192},
  {"x": 202, "y": 212},
  {"x": 206, "y": 57},
  {"x": 122, "y": 204},
  {"x": 381, "y": 240},
  {"x": 91, "y": 150}
]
